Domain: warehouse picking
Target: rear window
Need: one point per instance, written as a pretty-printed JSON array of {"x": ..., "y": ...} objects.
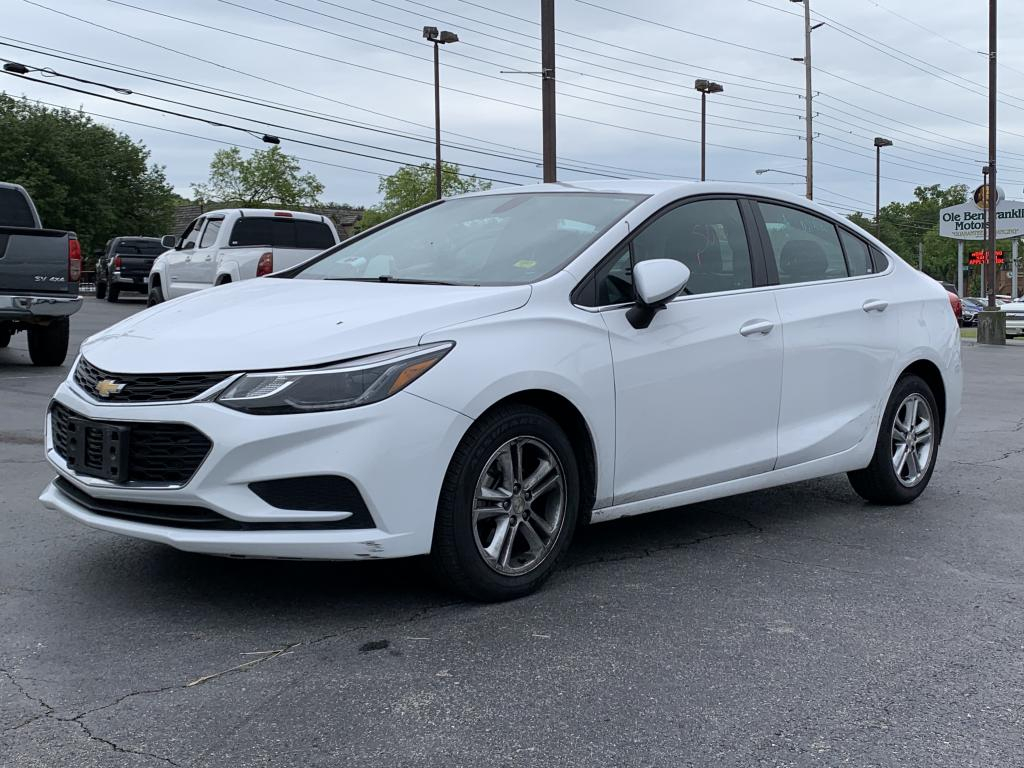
[
  {"x": 281, "y": 233},
  {"x": 14, "y": 209},
  {"x": 139, "y": 248}
]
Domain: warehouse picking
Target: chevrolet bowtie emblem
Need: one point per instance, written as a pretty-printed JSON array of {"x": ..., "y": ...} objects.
[{"x": 108, "y": 387}]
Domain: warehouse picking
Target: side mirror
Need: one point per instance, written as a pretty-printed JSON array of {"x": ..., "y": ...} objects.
[
  {"x": 168, "y": 241},
  {"x": 656, "y": 282}
]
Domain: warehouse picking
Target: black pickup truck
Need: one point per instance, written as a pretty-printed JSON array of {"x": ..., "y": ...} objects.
[
  {"x": 39, "y": 273},
  {"x": 124, "y": 264}
]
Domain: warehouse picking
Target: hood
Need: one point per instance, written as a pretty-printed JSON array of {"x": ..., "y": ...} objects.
[{"x": 270, "y": 323}]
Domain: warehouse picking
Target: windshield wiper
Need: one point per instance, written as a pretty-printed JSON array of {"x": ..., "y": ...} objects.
[{"x": 393, "y": 279}]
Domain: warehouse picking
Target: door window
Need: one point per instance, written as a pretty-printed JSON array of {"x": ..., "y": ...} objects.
[
  {"x": 707, "y": 236},
  {"x": 858, "y": 257},
  {"x": 189, "y": 236},
  {"x": 806, "y": 247},
  {"x": 210, "y": 234}
]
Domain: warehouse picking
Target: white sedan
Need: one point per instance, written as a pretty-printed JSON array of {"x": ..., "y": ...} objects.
[{"x": 479, "y": 378}]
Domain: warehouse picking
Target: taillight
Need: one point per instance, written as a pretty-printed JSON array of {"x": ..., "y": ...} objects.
[
  {"x": 74, "y": 260},
  {"x": 956, "y": 305},
  {"x": 117, "y": 262},
  {"x": 265, "y": 265}
]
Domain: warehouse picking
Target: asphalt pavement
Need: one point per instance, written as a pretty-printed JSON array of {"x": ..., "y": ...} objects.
[{"x": 791, "y": 627}]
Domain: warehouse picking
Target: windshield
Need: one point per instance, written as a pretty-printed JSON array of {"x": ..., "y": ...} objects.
[{"x": 509, "y": 239}]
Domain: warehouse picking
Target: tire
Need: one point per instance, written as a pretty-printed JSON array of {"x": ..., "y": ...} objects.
[
  {"x": 101, "y": 290},
  {"x": 48, "y": 344},
  {"x": 879, "y": 482},
  {"x": 5, "y": 336},
  {"x": 156, "y": 296},
  {"x": 460, "y": 539},
  {"x": 113, "y": 293}
]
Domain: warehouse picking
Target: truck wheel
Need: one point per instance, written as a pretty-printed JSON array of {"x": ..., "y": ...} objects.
[
  {"x": 112, "y": 294},
  {"x": 156, "y": 296},
  {"x": 5, "y": 336},
  {"x": 48, "y": 344},
  {"x": 101, "y": 290}
]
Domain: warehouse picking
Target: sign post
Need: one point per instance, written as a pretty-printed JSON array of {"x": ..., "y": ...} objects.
[{"x": 960, "y": 267}]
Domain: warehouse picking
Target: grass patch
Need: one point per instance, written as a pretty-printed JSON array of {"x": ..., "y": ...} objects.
[{"x": 969, "y": 333}]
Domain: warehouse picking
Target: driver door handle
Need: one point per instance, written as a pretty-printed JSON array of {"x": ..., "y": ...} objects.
[
  {"x": 754, "y": 327},
  {"x": 874, "y": 305}
]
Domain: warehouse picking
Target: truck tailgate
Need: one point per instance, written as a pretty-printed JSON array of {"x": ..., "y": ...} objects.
[{"x": 34, "y": 260}]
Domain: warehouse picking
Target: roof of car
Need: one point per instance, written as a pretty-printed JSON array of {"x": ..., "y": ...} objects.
[
  {"x": 675, "y": 188},
  {"x": 265, "y": 212}
]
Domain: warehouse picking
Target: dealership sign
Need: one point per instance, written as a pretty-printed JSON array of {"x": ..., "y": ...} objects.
[{"x": 967, "y": 222}]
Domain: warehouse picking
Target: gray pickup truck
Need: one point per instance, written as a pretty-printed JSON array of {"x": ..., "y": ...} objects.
[{"x": 39, "y": 273}]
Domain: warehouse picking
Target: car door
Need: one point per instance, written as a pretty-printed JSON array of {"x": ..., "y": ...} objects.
[
  {"x": 204, "y": 258},
  {"x": 840, "y": 329},
  {"x": 697, "y": 392},
  {"x": 180, "y": 274}
]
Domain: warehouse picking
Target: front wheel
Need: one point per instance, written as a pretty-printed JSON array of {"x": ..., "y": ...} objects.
[
  {"x": 508, "y": 505},
  {"x": 907, "y": 446},
  {"x": 155, "y": 297},
  {"x": 113, "y": 293},
  {"x": 48, "y": 344}
]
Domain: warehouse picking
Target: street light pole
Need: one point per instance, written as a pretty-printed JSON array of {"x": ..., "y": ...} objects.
[
  {"x": 705, "y": 87},
  {"x": 879, "y": 143},
  {"x": 438, "y": 39}
]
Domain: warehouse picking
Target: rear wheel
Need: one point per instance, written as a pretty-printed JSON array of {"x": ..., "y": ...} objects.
[
  {"x": 113, "y": 293},
  {"x": 101, "y": 290},
  {"x": 906, "y": 449},
  {"x": 156, "y": 296},
  {"x": 48, "y": 344},
  {"x": 508, "y": 506}
]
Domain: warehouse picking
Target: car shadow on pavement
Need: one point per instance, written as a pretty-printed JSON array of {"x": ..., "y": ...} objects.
[{"x": 135, "y": 572}]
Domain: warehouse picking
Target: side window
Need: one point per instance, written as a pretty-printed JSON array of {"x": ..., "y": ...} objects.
[
  {"x": 806, "y": 247},
  {"x": 188, "y": 237},
  {"x": 210, "y": 235},
  {"x": 313, "y": 234},
  {"x": 615, "y": 280},
  {"x": 880, "y": 259},
  {"x": 858, "y": 258}
]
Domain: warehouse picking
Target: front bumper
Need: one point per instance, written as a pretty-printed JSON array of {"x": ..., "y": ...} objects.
[
  {"x": 31, "y": 307},
  {"x": 396, "y": 452}
]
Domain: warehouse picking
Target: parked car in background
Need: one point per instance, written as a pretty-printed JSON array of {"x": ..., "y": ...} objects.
[
  {"x": 39, "y": 273},
  {"x": 236, "y": 244},
  {"x": 480, "y": 377},
  {"x": 1014, "y": 312},
  {"x": 971, "y": 307},
  {"x": 124, "y": 265}
]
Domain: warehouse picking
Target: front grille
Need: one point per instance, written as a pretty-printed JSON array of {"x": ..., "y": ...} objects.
[
  {"x": 181, "y": 515},
  {"x": 157, "y": 452},
  {"x": 145, "y": 387}
]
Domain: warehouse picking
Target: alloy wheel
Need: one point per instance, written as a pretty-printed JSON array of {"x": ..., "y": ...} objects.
[
  {"x": 913, "y": 438},
  {"x": 519, "y": 506}
]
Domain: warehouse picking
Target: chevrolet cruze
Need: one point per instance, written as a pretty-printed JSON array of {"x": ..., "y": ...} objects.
[{"x": 477, "y": 379}]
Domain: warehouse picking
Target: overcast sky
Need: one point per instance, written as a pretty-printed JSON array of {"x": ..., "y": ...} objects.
[{"x": 626, "y": 102}]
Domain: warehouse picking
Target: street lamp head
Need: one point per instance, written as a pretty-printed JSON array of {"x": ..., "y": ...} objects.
[
  {"x": 16, "y": 68},
  {"x": 880, "y": 142},
  {"x": 448, "y": 37},
  {"x": 706, "y": 86},
  {"x": 430, "y": 33}
]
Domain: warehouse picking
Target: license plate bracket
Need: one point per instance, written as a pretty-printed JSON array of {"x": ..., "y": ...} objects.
[{"x": 98, "y": 450}]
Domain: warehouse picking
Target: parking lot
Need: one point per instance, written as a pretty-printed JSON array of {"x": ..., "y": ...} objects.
[{"x": 794, "y": 627}]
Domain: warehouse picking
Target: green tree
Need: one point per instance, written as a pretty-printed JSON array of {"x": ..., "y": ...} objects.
[
  {"x": 413, "y": 185},
  {"x": 268, "y": 176},
  {"x": 82, "y": 176}
]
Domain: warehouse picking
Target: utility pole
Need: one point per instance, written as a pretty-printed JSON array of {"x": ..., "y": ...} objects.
[
  {"x": 808, "y": 95},
  {"x": 920, "y": 257},
  {"x": 992, "y": 201},
  {"x": 547, "y": 65}
]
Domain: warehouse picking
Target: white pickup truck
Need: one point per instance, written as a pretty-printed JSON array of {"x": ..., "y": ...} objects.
[{"x": 235, "y": 244}]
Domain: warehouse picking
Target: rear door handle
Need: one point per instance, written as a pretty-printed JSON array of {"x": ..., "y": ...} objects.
[
  {"x": 753, "y": 327},
  {"x": 874, "y": 305}
]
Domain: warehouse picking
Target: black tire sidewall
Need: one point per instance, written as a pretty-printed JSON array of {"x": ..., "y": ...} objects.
[
  {"x": 154, "y": 297},
  {"x": 101, "y": 290},
  {"x": 113, "y": 292},
  {"x": 48, "y": 344},
  {"x": 472, "y": 575}
]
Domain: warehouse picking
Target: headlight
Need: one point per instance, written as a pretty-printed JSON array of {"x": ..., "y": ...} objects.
[{"x": 346, "y": 385}]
